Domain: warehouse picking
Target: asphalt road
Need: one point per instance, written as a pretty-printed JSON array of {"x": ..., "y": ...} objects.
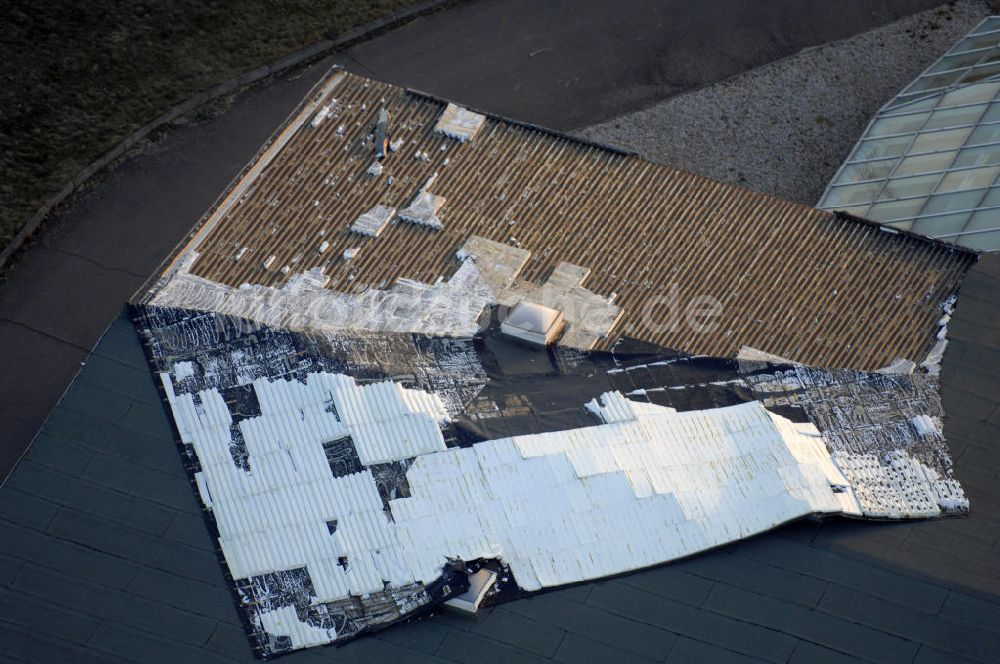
[{"x": 558, "y": 64}]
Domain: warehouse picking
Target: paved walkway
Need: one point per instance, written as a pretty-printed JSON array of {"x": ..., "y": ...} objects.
[{"x": 560, "y": 64}]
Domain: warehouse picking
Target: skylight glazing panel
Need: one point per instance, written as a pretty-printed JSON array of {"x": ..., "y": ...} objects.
[
  {"x": 919, "y": 103},
  {"x": 984, "y": 220},
  {"x": 852, "y": 194},
  {"x": 963, "y": 200},
  {"x": 992, "y": 23},
  {"x": 971, "y": 94},
  {"x": 869, "y": 170},
  {"x": 972, "y": 178},
  {"x": 891, "y": 210},
  {"x": 942, "y": 225},
  {"x": 977, "y": 40},
  {"x": 955, "y": 117},
  {"x": 933, "y": 82},
  {"x": 898, "y": 124},
  {"x": 882, "y": 147},
  {"x": 981, "y": 72},
  {"x": 982, "y": 156},
  {"x": 992, "y": 198},
  {"x": 985, "y": 134},
  {"x": 992, "y": 113},
  {"x": 857, "y": 210},
  {"x": 907, "y": 102},
  {"x": 926, "y": 163},
  {"x": 980, "y": 241},
  {"x": 935, "y": 141},
  {"x": 958, "y": 61},
  {"x": 909, "y": 187}
]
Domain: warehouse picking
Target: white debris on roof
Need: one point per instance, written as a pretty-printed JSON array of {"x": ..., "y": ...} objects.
[
  {"x": 479, "y": 584},
  {"x": 884, "y": 457},
  {"x": 351, "y": 252},
  {"x": 184, "y": 370},
  {"x": 448, "y": 308},
  {"x": 321, "y": 115},
  {"x": 751, "y": 354},
  {"x": 926, "y": 425},
  {"x": 323, "y": 246},
  {"x": 932, "y": 363},
  {"x": 374, "y": 221},
  {"x": 899, "y": 366},
  {"x": 375, "y": 169},
  {"x": 285, "y": 620},
  {"x": 423, "y": 210},
  {"x": 899, "y": 486},
  {"x": 239, "y": 254},
  {"x": 460, "y": 123}
]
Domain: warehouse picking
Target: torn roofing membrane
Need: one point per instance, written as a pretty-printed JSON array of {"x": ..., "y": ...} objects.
[{"x": 354, "y": 479}]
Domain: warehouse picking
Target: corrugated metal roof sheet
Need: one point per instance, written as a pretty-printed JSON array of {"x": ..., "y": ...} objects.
[{"x": 791, "y": 280}]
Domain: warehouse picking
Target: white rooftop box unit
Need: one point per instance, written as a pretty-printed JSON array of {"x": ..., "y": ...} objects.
[{"x": 533, "y": 323}]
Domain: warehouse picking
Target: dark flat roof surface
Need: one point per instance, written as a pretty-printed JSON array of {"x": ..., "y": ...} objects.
[{"x": 105, "y": 556}]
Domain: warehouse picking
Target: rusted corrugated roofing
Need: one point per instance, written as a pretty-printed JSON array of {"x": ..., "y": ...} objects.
[{"x": 794, "y": 281}]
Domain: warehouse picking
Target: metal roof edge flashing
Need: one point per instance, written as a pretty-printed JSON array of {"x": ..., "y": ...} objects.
[
  {"x": 521, "y": 123},
  {"x": 297, "y": 115},
  {"x": 840, "y": 214}
]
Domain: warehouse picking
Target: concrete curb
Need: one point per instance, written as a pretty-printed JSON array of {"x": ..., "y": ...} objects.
[{"x": 314, "y": 51}]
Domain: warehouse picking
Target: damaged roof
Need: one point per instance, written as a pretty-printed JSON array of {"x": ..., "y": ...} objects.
[{"x": 648, "y": 240}]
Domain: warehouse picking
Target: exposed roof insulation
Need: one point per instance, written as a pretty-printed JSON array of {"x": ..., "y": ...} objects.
[
  {"x": 789, "y": 280},
  {"x": 460, "y": 123},
  {"x": 374, "y": 221},
  {"x": 302, "y": 303}
]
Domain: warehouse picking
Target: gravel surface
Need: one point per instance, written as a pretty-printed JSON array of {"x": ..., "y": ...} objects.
[{"x": 784, "y": 128}]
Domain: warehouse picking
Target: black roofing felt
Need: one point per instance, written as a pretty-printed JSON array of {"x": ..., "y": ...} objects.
[{"x": 105, "y": 556}]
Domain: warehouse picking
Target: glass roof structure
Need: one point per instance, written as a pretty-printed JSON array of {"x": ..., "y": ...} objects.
[{"x": 929, "y": 162}]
